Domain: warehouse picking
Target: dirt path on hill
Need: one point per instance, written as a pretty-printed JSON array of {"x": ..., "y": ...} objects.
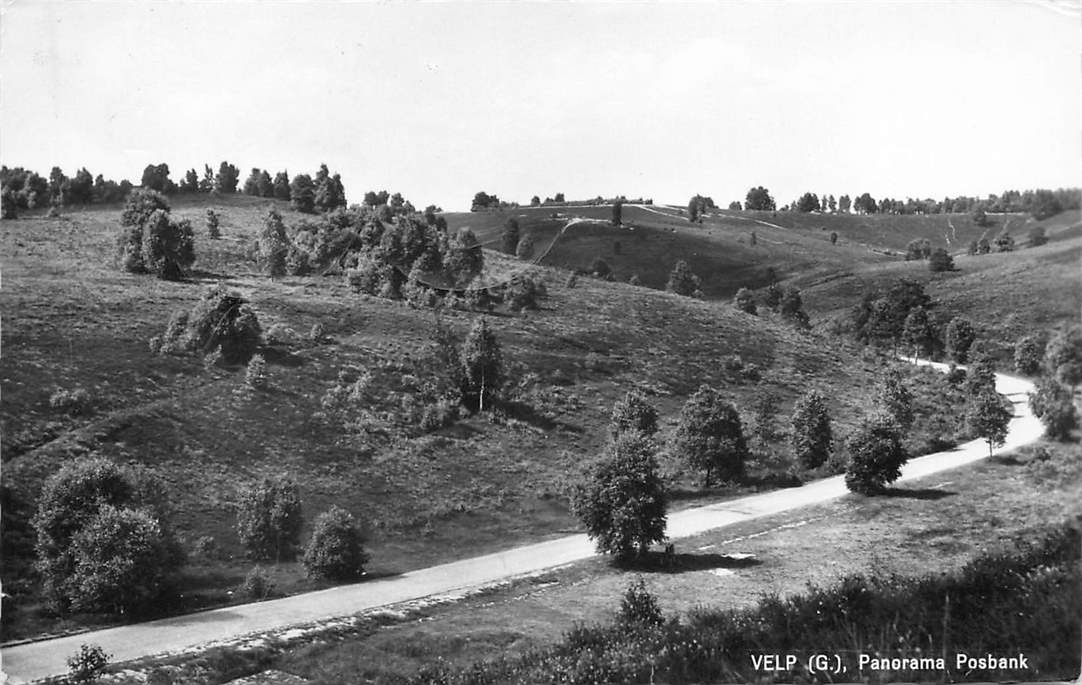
[{"x": 46, "y": 658}]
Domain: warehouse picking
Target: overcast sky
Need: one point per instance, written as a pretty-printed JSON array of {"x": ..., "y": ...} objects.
[{"x": 664, "y": 100}]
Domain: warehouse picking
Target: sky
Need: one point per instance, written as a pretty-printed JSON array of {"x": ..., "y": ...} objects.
[{"x": 655, "y": 99}]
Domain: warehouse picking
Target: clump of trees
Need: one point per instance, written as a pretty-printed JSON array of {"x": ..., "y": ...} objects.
[
  {"x": 103, "y": 542},
  {"x": 1053, "y": 400},
  {"x": 880, "y": 317},
  {"x": 698, "y": 206},
  {"x": 151, "y": 241},
  {"x": 759, "y": 199},
  {"x": 633, "y": 414},
  {"x": 710, "y": 437}
]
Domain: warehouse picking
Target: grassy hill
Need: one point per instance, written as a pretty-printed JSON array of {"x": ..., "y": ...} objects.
[
  {"x": 75, "y": 321},
  {"x": 653, "y": 238}
]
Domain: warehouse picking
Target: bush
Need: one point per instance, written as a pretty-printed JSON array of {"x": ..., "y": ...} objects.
[
  {"x": 523, "y": 292},
  {"x": 220, "y": 321},
  {"x": 256, "y": 374},
  {"x": 940, "y": 260},
  {"x": 639, "y": 608},
  {"x": 272, "y": 245},
  {"x": 335, "y": 550},
  {"x": 257, "y": 584},
  {"x": 895, "y": 400},
  {"x": 1029, "y": 354},
  {"x": 1059, "y": 419},
  {"x": 75, "y": 402},
  {"x": 101, "y": 540},
  {"x": 682, "y": 281},
  {"x": 213, "y": 229},
  {"x": 876, "y": 455},
  {"x": 88, "y": 664},
  {"x": 959, "y": 338},
  {"x": 1037, "y": 236},
  {"x": 482, "y": 365},
  {"x": 745, "y": 301},
  {"x": 151, "y": 241},
  {"x": 316, "y": 334},
  {"x": 269, "y": 519},
  {"x": 600, "y": 268}
]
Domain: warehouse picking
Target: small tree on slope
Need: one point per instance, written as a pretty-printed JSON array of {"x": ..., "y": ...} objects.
[
  {"x": 811, "y": 436},
  {"x": 876, "y": 455},
  {"x": 710, "y": 437}
]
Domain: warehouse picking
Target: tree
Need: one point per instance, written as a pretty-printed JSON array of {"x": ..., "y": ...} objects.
[
  {"x": 272, "y": 244},
  {"x": 1029, "y": 354},
  {"x": 220, "y": 321},
  {"x": 865, "y": 204},
  {"x": 844, "y": 203},
  {"x": 809, "y": 202},
  {"x": 774, "y": 294},
  {"x": 811, "y": 435},
  {"x": 710, "y": 437},
  {"x": 980, "y": 376},
  {"x": 633, "y": 414},
  {"x": 876, "y": 455},
  {"x": 150, "y": 240},
  {"x": 82, "y": 552},
  {"x": 831, "y": 204},
  {"x": 1063, "y": 356},
  {"x": 918, "y": 332},
  {"x": 227, "y": 179},
  {"x": 745, "y": 301},
  {"x": 682, "y": 281},
  {"x": 559, "y": 198},
  {"x": 302, "y": 193},
  {"x": 269, "y": 519},
  {"x": 833, "y": 237},
  {"x": 336, "y": 550},
  {"x": 759, "y": 199},
  {"x": 622, "y": 502},
  {"x": 988, "y": 417},
  {"x": 465, "y": 259},
  {"x": 251, "y": 184},
  {"x": 190, "y": 184},
  {"x": 980, "y": 218},
  {"x": 123, "y": 562},
  {"x": 535, "y": 201},
  {"x": 1053, "y": 405},
  {"x": 940, "y": 260},
  {"x": 206, "y": 184},
  {"x": 482, "y": 365},
  {"x": 9, "y": 204},
  {"x": 1037, "y": 236},
  {"x": 282, "y": 190},
  {"x": 329, "y": 192},
  {"x": 483, "y": 200},
  {"x": 918, "y": 248},
  {"x": 959, "y": 338},
  {"x": 155, "y": 177},
  {"x": 693, "y": 209},
  {"x": 510, "y": 236},
  {"x": 617, "y": 213},
  {"x": 895, "y": 400},
  {"x": 734, "y": 206}
]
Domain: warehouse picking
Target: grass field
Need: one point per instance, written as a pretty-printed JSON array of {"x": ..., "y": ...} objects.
[{"x": 75, "y": 321}]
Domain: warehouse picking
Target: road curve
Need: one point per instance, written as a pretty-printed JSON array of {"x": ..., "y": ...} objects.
[{"x": 36, "y": 660}]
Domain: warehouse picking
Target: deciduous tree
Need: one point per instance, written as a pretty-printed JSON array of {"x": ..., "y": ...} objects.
[
  {"x": 988, "y": 417},
  {"x": 269, "y": 519},
  {"x": 811, "y": 435},
  {"x": 710, "y": 437},
  {"x": 876, "y": 455}
]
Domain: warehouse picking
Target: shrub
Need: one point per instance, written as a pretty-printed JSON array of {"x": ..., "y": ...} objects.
[
  {"x": 876, "y": 455},
  {"x": 895, "y": 400},
  {"x": 75, "y": 402},
  {"x": 335, "y": 550},
  {"x": 792, "y": 307},
  {"x": 316, "y": 334},
  {"x": 600, "y": 268},
  {"x": 524, "y": 249},
  {"x": 1029, "y": 353},
  {"x": 88, "y": 664},
  {"x": 1037, "y": 236},
  {"x": 810, "y": 434},
  {"x": 634, "y": 280},
  {"x": 113, "y": 561},
  {"x": 940, "y": 260},
  {"x": 633, "y": 414},
  {"x": 710, "y": 436},
  {"x": 744, "y": 301},
  {"x": 621, "y": 501},
  {"x": 272, "y": 245},
  {"x": 682, "y": 281},
  {"x": 256, "y": 374},
  {"x": 510, "y": 236},
  {"x": 269, "y": 519},
  {"x": 220, "y": 321},
  {"x": 1063, "y": 356},
  {"x": 1059, "y": 419},
  {"x": 523, "y": 292},
  {"x": 257, "y": 584},
  {"x": 213, "y": 229},
  {"x": 482, "y": 365},
  {"x": 639, "y": 608},
  {"x": 764, "y": 413}
]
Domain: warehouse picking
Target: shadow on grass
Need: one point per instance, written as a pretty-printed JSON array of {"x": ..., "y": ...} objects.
[
  {"x": 660, "y": 562},
  {"x": 201, "y": 277},
  {"x": 1005, "y": 460},
  {"x": 280, "y": 357},
  {"x": 529, "y": 415},
  {"x": 922, "y": 493}
]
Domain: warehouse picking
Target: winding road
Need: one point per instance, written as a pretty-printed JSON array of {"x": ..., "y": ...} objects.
[{"x": 37, "y": 660}]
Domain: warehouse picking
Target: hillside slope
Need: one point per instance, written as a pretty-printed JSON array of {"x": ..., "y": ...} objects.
[{"x": 75, "y": 321}]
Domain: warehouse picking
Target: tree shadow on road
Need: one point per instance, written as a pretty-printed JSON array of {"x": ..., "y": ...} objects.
[{"x": 661, "y": 562}]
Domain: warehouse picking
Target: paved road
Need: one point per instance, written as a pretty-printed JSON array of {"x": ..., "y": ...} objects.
[{"x": 46, "y": 658}]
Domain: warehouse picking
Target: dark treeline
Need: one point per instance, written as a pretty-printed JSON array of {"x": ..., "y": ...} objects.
[{"x": 1041, "y": 203}]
